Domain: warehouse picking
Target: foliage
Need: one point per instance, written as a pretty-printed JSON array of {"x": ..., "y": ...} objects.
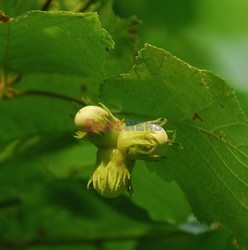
[{"x": 78, "y": 48}]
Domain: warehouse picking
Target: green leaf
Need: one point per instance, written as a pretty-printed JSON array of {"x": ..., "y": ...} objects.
[
  {"x": 42, "y": 114},
  {"x": 243, "y": 99},
  {"x": 53, "y": 52},
  {"x": 213, "y": 167},
  {"x": 169, "y": 204},
  {"x": 54, "y": 42}
]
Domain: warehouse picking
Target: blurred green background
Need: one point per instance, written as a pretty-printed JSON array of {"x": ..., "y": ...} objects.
[
  {"x": 44, "y": 203},
  {"x": 207, "y": 34}
]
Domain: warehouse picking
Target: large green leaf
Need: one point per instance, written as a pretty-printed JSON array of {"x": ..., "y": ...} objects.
[
  {"x": 40, "y": 114},
  {"x": 61, "y": 52},
  {"x": 213, "y": 167},
  {"x": 169, "y": 204},
  {"x": 54, "y": 42},
  {"x": 243, "y": 99}
]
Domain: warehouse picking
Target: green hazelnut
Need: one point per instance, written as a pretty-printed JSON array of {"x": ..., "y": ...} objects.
[
  {"x": 98, "y": 125},
  {"x": 143, "y": 142},
  {"x": 112, "y": 173}
]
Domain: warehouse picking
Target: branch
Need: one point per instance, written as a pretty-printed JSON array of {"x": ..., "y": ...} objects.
[
  {"x": 46, "y": 5},
  {"x": 47, "y": 93}
]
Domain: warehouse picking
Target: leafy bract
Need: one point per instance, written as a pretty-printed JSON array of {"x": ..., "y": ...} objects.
[{"x": 213, "y": 167}]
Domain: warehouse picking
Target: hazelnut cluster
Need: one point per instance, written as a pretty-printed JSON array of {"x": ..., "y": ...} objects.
[{"x": 118, "y": 146}]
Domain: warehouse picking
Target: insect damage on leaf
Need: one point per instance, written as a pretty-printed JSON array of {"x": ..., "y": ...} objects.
[
  {"x": 196, "y": 116},
  {"x": 3, "y": 17}
]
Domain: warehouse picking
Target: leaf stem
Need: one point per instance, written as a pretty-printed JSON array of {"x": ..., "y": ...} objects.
[{"x": 48, "y": 94}]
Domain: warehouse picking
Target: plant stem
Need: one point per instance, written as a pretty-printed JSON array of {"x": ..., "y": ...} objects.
[{"x": 49, "y": 94}]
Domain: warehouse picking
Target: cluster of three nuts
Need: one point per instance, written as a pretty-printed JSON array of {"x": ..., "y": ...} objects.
[{"x": 118, "y": 147}]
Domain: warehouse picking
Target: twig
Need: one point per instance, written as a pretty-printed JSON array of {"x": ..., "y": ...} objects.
[
  {"x": 49, "y": 94},
  {"x": 46, "y": 5}
]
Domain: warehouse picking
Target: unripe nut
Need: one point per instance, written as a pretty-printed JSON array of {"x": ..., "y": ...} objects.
[
  {"x": 147, "y": 144},
  {"x": 98, "y": 125},
  {"x": 88, "y": 113},
  {"x": 112, "y": 173}
]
